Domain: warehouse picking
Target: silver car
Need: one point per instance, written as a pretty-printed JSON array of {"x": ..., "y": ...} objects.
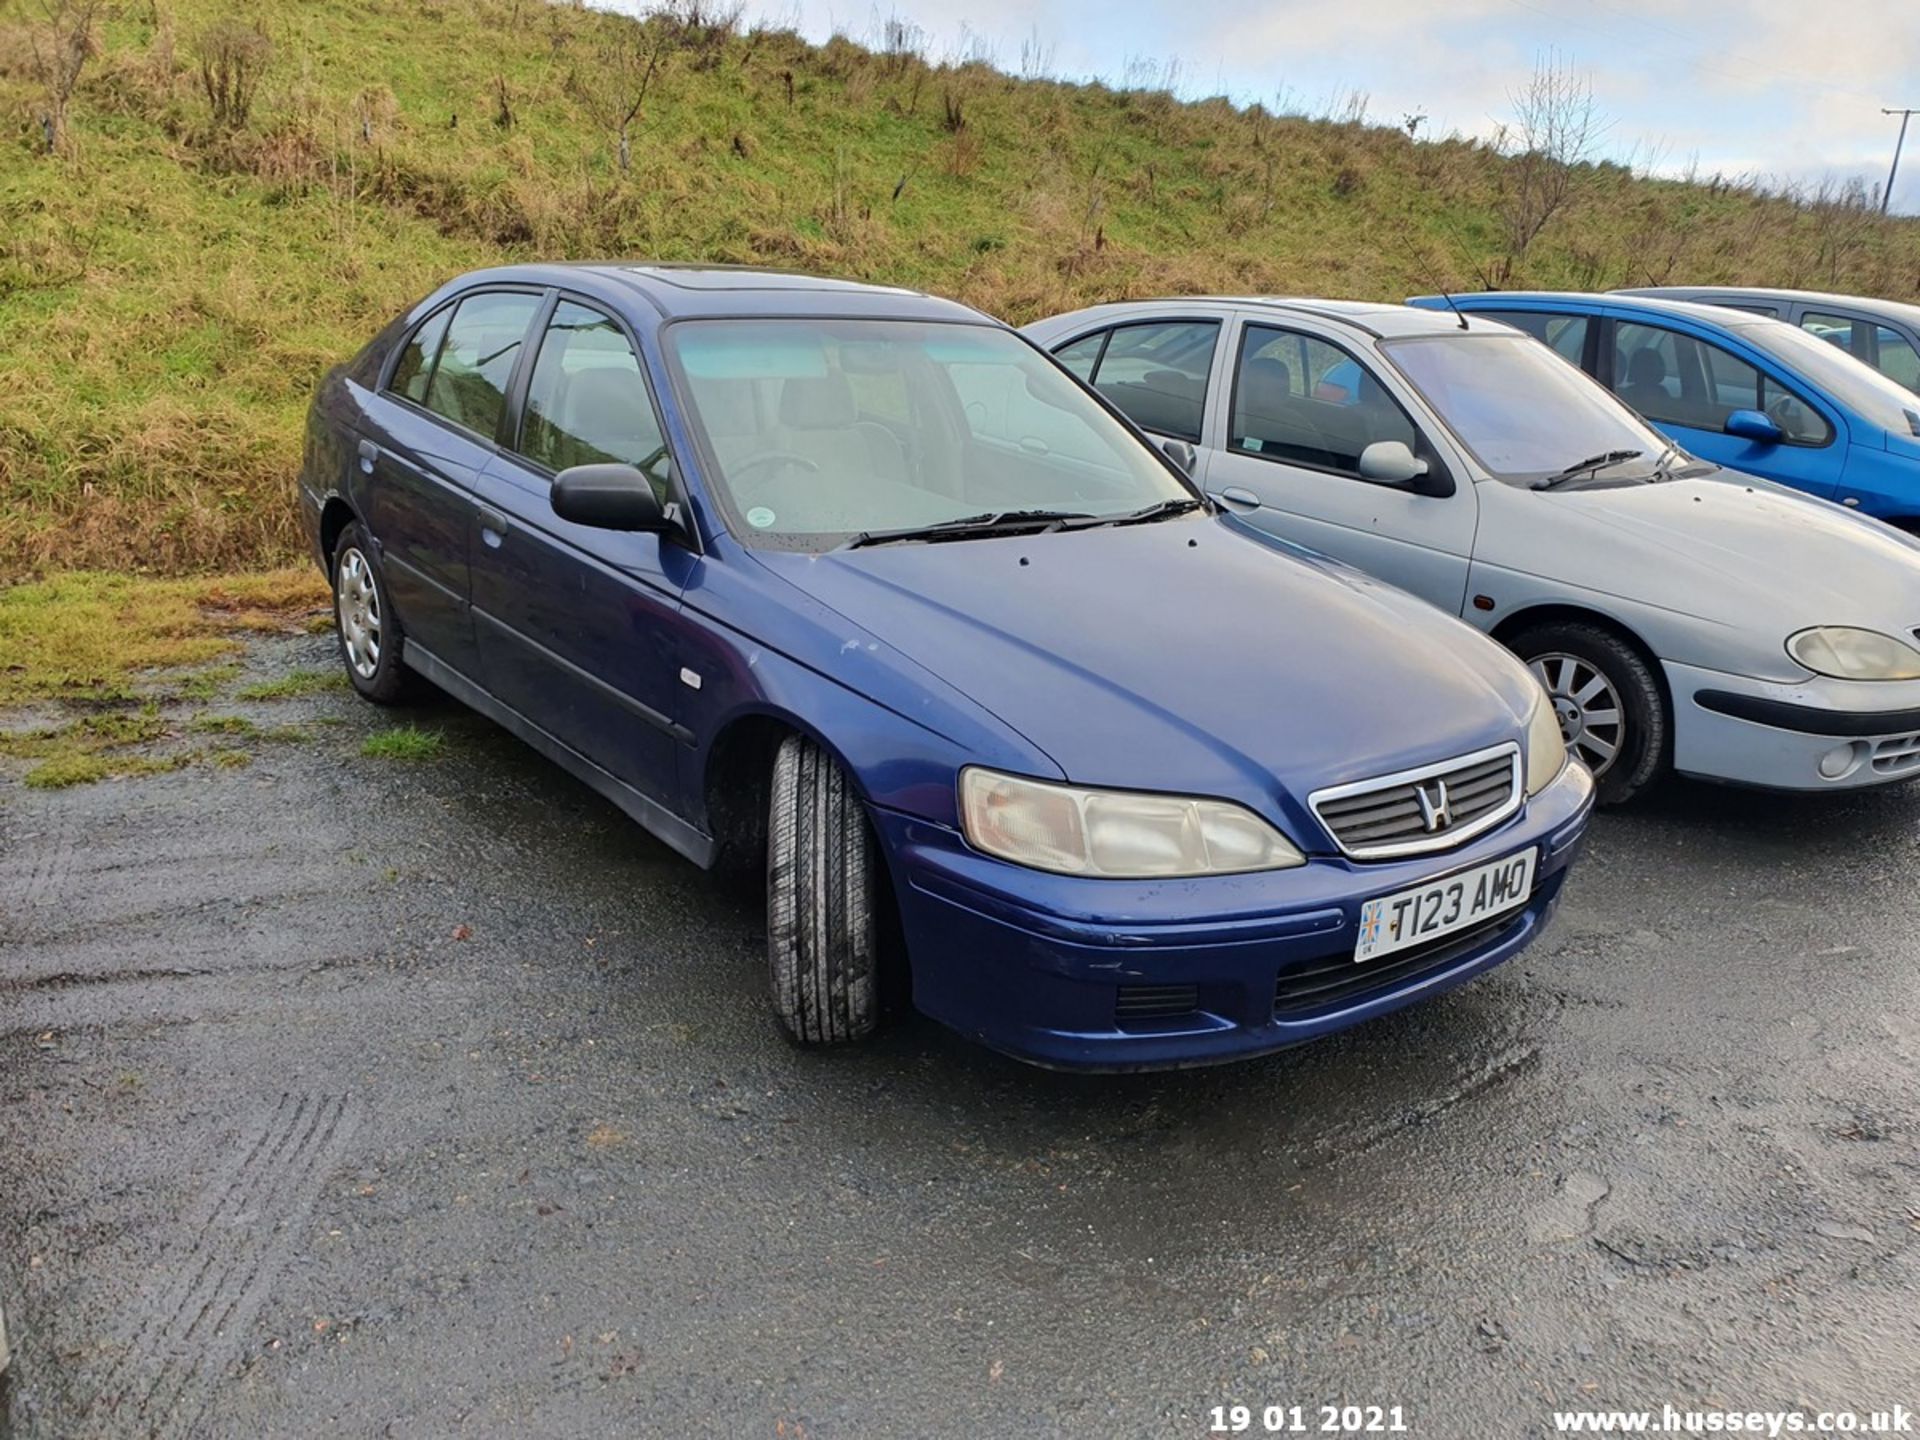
[{"x": 1679, "y": 615}]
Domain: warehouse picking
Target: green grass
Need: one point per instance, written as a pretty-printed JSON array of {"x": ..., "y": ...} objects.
[
  {"x": 86, "y": 767},
  {"x": 170, "y": 291},
  {"x": 405, "y": 742},
  {"x": 99, "y": 637}
]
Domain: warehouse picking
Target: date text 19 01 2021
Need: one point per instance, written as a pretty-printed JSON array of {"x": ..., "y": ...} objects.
[{"x": 1309, "y": 1420}]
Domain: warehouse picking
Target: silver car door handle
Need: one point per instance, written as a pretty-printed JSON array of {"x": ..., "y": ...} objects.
[
  {"x": 1234, "y": 495},
  {"x": 369, "y": 452},
  {"x": 493, "y": 526}
]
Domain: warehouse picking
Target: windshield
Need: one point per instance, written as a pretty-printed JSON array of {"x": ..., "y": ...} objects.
[
  {"x": 822, "y": 430},
  {"x": 1524, "y": 412},
  {"x": 1852, "y": 382}
]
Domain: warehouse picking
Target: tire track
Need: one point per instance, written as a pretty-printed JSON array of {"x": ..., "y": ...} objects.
[{"x": 244, "y": 1228}]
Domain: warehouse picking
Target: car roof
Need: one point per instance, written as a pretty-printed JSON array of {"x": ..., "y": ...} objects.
[
  {"x": 1645, "y": 304},
  {"x": 716, "y": 291},
  {"x": 1901, "y": 308},
  {"x": 1378, "y": 318}
]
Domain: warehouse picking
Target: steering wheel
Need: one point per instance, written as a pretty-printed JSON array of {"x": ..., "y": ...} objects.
[
  {"x": 1788, "y": 413},
  {"x": 773, "y": 457}
]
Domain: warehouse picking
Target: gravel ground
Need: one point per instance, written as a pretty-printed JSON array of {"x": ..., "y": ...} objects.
[{"x": 355, "y": 1096}]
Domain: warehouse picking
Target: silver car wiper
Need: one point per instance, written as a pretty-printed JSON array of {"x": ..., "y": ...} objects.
[
  {"x": 968, "y": 527},
  {"x": 1591, "y": 463}
]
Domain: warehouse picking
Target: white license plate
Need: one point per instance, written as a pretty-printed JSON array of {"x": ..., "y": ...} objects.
[{"x": 1426, "y": 912}]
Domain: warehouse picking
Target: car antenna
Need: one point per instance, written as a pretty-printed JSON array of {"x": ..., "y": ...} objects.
[{"x": 1461, "y": 314}]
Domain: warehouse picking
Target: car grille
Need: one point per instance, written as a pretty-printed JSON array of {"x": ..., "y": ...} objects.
[
  {"x": 1416, "y": 811},
  {"x": 1899, "y": 755},
  {"x": 1324, "y": 984},
  {"x": 1155, "y": 1002}
]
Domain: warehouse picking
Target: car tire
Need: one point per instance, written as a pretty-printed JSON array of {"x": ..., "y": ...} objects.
[
  {"x": 368, "y": 632},
  {"x": 823, "y": 900},
  {"x": 1611, "y": 707}
]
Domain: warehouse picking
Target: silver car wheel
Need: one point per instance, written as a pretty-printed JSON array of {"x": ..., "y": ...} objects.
[
  {"x": 1592, "y": 720},
  {"x": 357, "y": 605}
]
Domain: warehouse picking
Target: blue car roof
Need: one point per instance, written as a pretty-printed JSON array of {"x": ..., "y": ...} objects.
[
  {"x": 1715, "y": 315},
  {"x": 713, "y": 291}
]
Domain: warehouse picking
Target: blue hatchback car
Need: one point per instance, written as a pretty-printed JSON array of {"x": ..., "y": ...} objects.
[
  {"x": 858, "y": 585},
  {"x": 1742, "y": 390}
]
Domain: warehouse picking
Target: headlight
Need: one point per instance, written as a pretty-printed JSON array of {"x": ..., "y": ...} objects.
[
  {"x": 1849, "y": 654},
  {"x": 1115, "y": 834},
  {"x": 1546, "y": 750}
]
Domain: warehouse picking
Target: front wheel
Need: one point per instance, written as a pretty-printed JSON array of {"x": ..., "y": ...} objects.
[
  {"x": 823, "y": 900},
  {"x": 1612, "y": 712}
]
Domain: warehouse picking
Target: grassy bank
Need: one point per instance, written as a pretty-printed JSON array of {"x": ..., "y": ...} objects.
[{"x": 172, "y": 283}]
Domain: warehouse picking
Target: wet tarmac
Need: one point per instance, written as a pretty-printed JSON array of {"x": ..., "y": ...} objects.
[{"x": 362, "y": 1097}]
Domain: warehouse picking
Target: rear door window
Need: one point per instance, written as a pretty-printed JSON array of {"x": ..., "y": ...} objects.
[
  {"x": 1156, "y": 373},
  {"x": 1895, "y": 357},
  {"x": 1835, "y": 329},
  {"x": 1565, "y": 335},
  {"x": 469, "y": 385},
  {"x": 414, "y": 368}
]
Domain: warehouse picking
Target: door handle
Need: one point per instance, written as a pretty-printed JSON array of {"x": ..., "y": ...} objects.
[
  {"x": 369, "y": 452},
  {"x": 493, "y": 526},
  {"x": 1235, "y": 495}
]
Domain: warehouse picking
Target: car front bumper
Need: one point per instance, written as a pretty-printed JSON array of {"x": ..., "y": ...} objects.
[
  {"x": 1819, "y": 734},
  {"x": 1085, "y": 974}
]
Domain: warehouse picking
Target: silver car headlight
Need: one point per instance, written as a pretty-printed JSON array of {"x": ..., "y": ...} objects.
[
  {"x": 1546, "y": 747},
  {"x": 1846, "y": 653},
  {"x": 1115, "y": 834}
]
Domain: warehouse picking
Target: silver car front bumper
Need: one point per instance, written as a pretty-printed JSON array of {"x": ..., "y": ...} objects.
[{"x": 1816, "y": 735}]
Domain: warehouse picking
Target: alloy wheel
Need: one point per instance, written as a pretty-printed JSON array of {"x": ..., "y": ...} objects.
[
  {"x": 1592, "y": 720},
  {"x": 357, "y": 601}
]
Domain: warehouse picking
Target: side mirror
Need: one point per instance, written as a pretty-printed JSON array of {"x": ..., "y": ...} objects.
[
  {"x": 1181, "y": 453},
  {"x": 1754, "y": 425},
  {"x": 1390, "y": 462},
  {"x": 609, "y": 497}
]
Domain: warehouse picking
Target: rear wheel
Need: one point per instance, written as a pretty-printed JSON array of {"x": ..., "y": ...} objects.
[
  {"x": 370, "y": 636},
  {"x": 823, "y": 900},
  {"x": 1612, "y": 712}
]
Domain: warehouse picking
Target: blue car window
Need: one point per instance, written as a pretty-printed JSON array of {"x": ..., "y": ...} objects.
[
  {"x": 587, "y": 401},
  {"x": 1677, "y": 379},
  {"x": 414, "y": 368},
  {"x": 1157, "y": 374},
  {"x": 1303, "y": 400},
  {"x": 820, "y": 429},
  {"x": 469, "y": 385},
  {"x": 1565, "y": 335}
]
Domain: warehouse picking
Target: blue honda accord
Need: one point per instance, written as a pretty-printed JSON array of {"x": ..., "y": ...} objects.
[{"x": 857, "y": 585}]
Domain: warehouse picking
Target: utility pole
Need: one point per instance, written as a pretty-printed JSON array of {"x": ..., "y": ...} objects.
[{"x": 1905, "y": 116}]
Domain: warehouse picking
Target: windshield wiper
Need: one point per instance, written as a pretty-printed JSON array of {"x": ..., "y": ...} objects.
[
  {"x": 1592, "y": 462},
  {"x": 968, "y": 527},
  {"x": 1159, "y": 510}
]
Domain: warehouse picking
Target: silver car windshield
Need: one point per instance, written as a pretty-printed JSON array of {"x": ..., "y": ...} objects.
[
  {"x": 817, "y": 431},
  {"x": 1522, "y": 411},
  {"x": 1852, "y": 382}
]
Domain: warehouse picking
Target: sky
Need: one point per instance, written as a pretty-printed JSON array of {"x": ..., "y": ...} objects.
[{"x": 1790, "y": 90}]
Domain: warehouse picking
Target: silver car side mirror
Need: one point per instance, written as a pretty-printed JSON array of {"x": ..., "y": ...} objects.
[{"x": 1390, "y": 462}]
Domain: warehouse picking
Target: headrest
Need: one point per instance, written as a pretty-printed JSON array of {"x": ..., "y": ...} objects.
[
  {"x": 1646, "y": 367},
  {"x": 817, "y": 402},
  {"x": 605, "y": 395},
  {"x": 1270, "y": 374}
]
